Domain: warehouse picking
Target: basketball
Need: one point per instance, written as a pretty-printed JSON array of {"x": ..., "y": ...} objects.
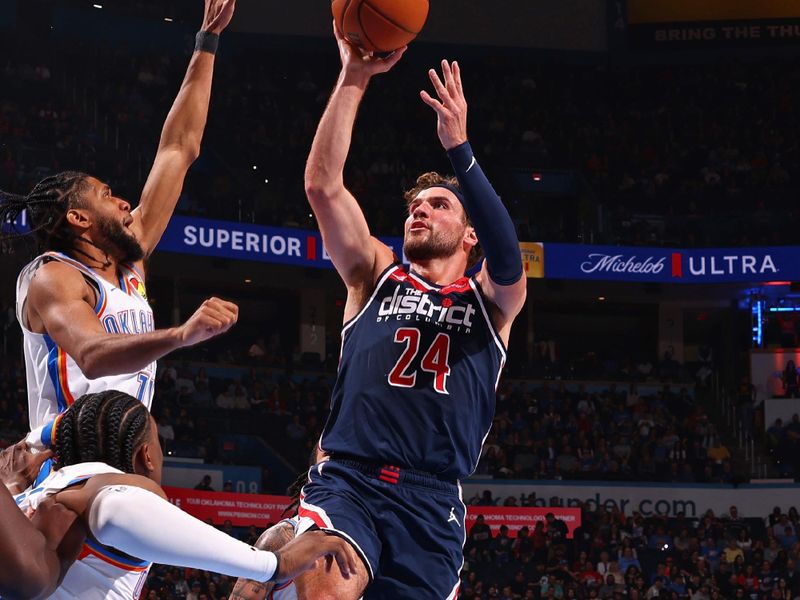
[{"x": 380, "y": 25}]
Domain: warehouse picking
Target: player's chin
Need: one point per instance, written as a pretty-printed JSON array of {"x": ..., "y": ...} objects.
[{"x": 417, "y": 236}]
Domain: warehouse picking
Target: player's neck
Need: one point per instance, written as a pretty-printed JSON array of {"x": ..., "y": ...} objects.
[
  {"x": 105, "y": 265},
  {"x": 440, "y": 271}
]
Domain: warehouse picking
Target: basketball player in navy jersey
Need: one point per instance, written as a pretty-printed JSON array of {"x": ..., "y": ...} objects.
[
  {"x": 86, "y": 322},
  {"x": 422, "y": 352}
]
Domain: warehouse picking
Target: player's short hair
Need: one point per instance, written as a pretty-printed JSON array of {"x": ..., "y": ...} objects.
[
  {"x": 434, "y": 179},
  {"x": 105, "y": 427}
]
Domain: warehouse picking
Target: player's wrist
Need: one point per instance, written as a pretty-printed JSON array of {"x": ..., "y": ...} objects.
[
  {"x": 206, "y": 41},
  {"x": 460, "y": 152},
  {"x": 453, "y": 143},
  {"x": 178, "y": 336},
  {"x": 355, "y": 76}
]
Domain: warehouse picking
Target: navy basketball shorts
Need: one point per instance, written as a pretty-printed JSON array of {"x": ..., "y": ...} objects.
[{"x": 407, "y": 526}]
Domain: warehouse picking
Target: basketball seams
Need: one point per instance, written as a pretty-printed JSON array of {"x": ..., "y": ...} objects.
[
  {"x": 364, "y": 29},
  {"x": 385, "y": 18},
  {"x": 343, "y": 14},
  {"x": 380, "y": 29}
]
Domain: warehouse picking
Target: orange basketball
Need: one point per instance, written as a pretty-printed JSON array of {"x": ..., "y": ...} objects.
[{"x": 380, "y": 25}]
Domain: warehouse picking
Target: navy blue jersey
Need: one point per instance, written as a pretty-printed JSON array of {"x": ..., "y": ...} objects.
[{"x": 417, "y": 377}]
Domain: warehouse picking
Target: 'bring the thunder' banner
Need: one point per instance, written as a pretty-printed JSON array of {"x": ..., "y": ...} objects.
[{"x": 683, "y": 24}]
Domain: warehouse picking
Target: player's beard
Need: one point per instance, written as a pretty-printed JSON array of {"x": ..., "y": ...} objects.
[
  {"x": 118, "y": 241},
  {"x": 430, "y": 246}
]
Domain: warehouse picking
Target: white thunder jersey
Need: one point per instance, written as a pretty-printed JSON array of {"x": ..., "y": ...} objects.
[
  {"x": 99, "y": 572},
  {"x": 54, "y": 378}
]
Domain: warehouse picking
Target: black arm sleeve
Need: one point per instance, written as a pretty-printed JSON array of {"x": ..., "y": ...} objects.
[{"x": 493, "y": 225}]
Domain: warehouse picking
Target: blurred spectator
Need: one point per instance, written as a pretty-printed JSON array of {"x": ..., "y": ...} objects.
[
  {"x": 205, "y": 484},
  {"x": 226, "y": 399}
]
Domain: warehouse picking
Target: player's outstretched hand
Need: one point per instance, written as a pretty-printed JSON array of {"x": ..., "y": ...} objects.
[
  {"x": 301, "y": 554},
  {"x": 19, "y": 466},
  {"x": 451, "y": 107},
  {"x": 218, "y": 14},
  {"x": 214, "y": 317},
  {"x": 356, "y": 61}
]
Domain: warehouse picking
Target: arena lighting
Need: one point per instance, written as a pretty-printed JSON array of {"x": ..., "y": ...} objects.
[
  {"x": 266, "y": 181},
  {"x": 97, "y": 5},
  {"x": 785, "y": 309},
  {"x": 601, "y": 298},
  {"x": 168, "y": 19},
  {"x": 758, "y": 327},
  {"x": 248, "y": 280},
  {"x": 537, "y": 176},
  {"x": 255, "y": 167},
  {"x": 778, "y": 283}
]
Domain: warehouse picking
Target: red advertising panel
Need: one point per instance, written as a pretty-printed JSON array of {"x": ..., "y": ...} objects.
[
  {"x": 244, "y": 510},
  {"x": 517, "y": 518}
]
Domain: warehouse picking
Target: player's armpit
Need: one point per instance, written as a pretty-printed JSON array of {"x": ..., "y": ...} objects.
[
  {"x": 361, "y": 285},
  {"x": 506, "y": 300}
]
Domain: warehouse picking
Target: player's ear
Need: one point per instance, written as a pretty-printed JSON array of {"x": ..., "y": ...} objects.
[
  {"x": 78, "y": 217},
  {"x": 470, "y": 237},
  {"x": 143, "y": 463}
]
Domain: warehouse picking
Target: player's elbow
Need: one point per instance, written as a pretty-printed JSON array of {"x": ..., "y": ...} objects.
[
  {"x": 191, "y": 148},
  {"x": 319, "y": 193},
  {"x": 184, "y": 148},
  {"x": 91, "y": 363},
  {"x": 319, "y": 184},
  {"x": 90, "y": 367}
]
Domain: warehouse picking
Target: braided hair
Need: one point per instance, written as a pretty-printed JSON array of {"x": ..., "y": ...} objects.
[
  {"x": 106, "y": 427},
  {"x": 47, "y": 205},
  {"x": 295, "y": 489}
]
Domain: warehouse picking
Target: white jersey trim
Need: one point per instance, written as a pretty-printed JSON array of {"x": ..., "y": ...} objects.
[{"x": 488, "y": 319}]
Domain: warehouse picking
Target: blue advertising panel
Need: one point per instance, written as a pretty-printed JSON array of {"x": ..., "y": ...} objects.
[
  {"x": 671, "y": 265},
  {"x": 246, "y": 241},
  {"x": 301, "y": 247}
]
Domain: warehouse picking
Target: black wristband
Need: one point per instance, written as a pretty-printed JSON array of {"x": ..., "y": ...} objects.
[{"x": 205, "y": 41}]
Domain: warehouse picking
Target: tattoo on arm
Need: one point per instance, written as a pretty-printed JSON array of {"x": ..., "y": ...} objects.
[
  {"x": 272, "y": 539},
  {"x": 247, "y": 589}
]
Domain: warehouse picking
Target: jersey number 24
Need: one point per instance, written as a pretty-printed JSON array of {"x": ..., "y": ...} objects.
[{"x": 435, "y": 360}]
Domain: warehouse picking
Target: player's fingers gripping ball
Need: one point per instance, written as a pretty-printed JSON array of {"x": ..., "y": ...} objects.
[{"x": 380, "y": 25}]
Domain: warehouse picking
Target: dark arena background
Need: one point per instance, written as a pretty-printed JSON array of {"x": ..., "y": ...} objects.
[{"x": 648, "y": 151}]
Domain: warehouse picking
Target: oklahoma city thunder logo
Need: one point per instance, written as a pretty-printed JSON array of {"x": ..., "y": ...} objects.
[{"x": 138, "y": 286}]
